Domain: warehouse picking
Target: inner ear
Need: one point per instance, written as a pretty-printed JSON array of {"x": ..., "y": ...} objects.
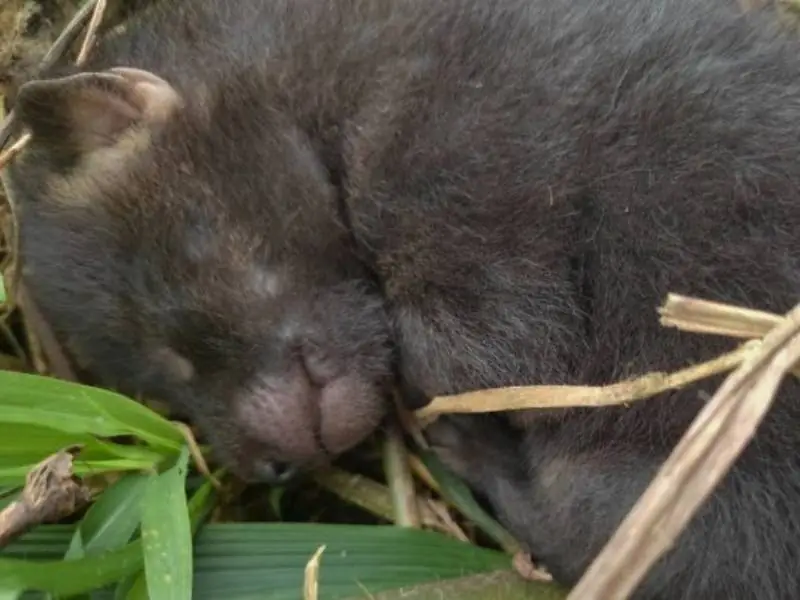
[{"x": 89, "y": 111}]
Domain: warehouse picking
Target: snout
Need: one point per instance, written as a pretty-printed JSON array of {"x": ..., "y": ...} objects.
[{"x": 301, "y": 419}]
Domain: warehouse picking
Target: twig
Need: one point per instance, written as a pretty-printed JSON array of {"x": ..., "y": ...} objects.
[
  {"x": 197, "y": 455},
  {"x": 8, "y": 155},
  {"x": 716, "y": 318},
  {"x": 376, "y": 499},
  {"x": 685, "y": 313},
  {"x": 91, "y": 32},
  {"x": 701, "y": 459},
  {"x": 528, "y": 570},
  {"x": 566, "y": 396},
  {"x": 446, "y": 523},
  {"x": 357, "y": 490},
  {"x": 419, "y": 469},
  {"x": 51, "y": 493},
  {"x": 398, "y": 476},
  {"x": 41, "y": 339},
  {"x": 408, "y": 421}
]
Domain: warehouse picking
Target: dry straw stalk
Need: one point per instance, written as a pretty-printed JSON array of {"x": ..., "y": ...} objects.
[
  {"x": 688, "y": 314},
  {"x": 717, "y": 436}
]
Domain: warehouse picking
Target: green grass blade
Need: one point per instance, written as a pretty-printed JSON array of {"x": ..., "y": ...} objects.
[
  {"x": 80, "y": 409},
  {"x": 202, "y": 502},
  {"x": 8, "y": 493},
  {"x": 112, "y": 520},
  {"x": 69, "y": 577},
  {"x": 459, "y": 495},
  {"x": 16, "y": 475},
  {"x": 167, "y": 535},
  {"x": 23, "y": 445}
]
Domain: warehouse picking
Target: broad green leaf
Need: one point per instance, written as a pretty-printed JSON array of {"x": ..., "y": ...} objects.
[
  {"x": 267, "y": 560},
  {"x": 167, "y": 535},
  {"x": 459, "y": 495},
  {"x": 239, "y": 561},
  {"x": 112, "y": 520},
  {"x": 76, "y": 408},
  {"x": 16, "y": 475},
  {"x": 69, "y": 577},
  {"x": 132, "y": 588},
  {"x": 23, "y": 445},
  {"x": 270, "y": 559},
  {"x": 135, "y": 587},
  {"x": 2, "y": 289},
  {"x": 8, "y": 495},
  {"x": 25, "y": 439},
  {"x": 133, "y": 452}
]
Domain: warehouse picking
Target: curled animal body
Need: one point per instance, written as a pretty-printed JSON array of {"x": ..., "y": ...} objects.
[{"x": 267, "y": 212}]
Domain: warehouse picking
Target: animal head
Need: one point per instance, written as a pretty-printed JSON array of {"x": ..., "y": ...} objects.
[{"x": 187, "y": 247}]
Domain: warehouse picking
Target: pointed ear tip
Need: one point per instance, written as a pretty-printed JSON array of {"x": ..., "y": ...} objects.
[
  {"x": 58, "y": 99},
  {"x": 30, "y": 97},
  {"x": 25, "y": 91},
  {"x": 37, "y": 92},
  {"x": 92, "y": 110}
]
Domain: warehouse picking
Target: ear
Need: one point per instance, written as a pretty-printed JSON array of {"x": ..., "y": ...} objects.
[{"x": 82, "y": 113}]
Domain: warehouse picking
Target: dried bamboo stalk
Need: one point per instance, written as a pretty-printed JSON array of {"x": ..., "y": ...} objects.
[
  {"x": 685, "y": 313},
  {"x": 567, "y": 396},
  {"x": 718, "y": 435}
]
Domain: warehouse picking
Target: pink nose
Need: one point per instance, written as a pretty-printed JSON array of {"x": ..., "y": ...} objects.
[{"x": 319, "y": 370}]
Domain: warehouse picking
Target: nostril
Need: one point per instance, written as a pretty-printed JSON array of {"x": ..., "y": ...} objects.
[
  {"x": 274, "y": 472},
  {"x": 318, "y": 367}
]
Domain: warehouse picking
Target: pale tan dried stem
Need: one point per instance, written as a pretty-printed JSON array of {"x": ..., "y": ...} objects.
[
  {"x": 398, "y": 476},
  {"x": 8, "y": 155},
  {"x": 91, "y": 32},
  {"x": 51, "y": 493},
  {"x": 376, "y": 499},
  {"x": 311, "y": 580},
  {"x": 716, "y": 318},
  {"x": 702, "y": 458},
  {"x": 566, "y": 396},
  {"x": 46, "y": 352},
  {"x": 197, "y": 455}
]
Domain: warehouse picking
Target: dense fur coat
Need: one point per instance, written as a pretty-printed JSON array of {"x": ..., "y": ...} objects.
[{"x": 293, "y": 201}]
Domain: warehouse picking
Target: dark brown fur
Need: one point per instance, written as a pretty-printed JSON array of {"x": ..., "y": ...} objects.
[{"x": 471, "y": 193}]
